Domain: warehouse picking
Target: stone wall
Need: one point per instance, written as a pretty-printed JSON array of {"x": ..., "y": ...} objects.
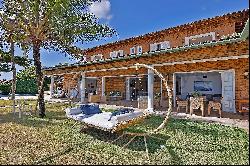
[{"x": 221, "y": 25}]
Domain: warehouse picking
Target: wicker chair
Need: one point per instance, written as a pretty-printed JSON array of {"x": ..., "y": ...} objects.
[
  {"x": 197, "y": 103},
  {"x": 181, "y": 103},
  {"x": 215, "y": 105}
]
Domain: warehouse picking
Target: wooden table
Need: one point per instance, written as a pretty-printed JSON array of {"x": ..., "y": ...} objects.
[{"x": 243, "y": 105}]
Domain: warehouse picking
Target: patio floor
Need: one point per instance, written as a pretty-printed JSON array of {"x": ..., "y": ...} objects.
[{"x": 230, "y": 119}]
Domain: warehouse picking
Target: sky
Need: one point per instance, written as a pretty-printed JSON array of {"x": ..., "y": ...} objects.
[{"x": 132, "y": 18}]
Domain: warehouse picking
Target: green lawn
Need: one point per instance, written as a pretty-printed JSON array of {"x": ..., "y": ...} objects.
[{"x": 52, "y": 140}]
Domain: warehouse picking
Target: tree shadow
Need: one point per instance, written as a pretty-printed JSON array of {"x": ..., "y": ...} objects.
[
  {"x": 31, "y": 119},
  {"x": 154, "y": 141},
  {"x": 50, "y": 158},
  {"x": 202, "y": 128}
]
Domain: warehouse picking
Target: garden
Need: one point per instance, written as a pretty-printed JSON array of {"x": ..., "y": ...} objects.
[{"x": 56, "y": 140}]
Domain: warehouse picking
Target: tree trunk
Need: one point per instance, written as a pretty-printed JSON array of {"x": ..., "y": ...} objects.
[
  {"x": 39, "y": 75},
  {"x": 13, "y": 90}
]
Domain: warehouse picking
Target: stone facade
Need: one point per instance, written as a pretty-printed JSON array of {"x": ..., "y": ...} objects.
[
  {"x": 115, "y": 74},
  {"x": 221, "y": 25}
]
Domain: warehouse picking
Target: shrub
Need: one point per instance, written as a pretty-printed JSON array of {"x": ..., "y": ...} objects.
[
  {"x": 27, "y": 86},
  {"x": 5, "y": 88}
]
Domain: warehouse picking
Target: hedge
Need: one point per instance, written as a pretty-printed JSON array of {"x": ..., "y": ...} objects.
[
  {"x": 5, "y": 88},
  {"x": 28, "y": 86}
]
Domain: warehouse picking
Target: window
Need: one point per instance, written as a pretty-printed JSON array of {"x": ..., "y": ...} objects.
[
  {"x": 132, "y": 50},
  {"x": 159, "y": 46},
  {"x": 96, "y": 57},
  {"x": 113, "y": 55},
  {"x": 139, "y": 49},
  {"x": 200, "y": 38},
  {"x": 119, "y": 53},
  {"x": 116, "y": 54}
]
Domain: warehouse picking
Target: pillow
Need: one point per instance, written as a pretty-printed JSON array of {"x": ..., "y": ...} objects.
[
  {"x": 90, "y": 109},
  {"x": 121, "y": 111},
  {"x": 73, "y": 111}
]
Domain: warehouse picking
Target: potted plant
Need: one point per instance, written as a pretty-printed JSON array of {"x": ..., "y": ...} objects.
[
  {"x": 157, "y": 98},
  {"x": 196, "y": 94}
]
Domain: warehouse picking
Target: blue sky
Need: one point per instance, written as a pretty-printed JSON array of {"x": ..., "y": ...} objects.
[{"x": 137, "y": 17}]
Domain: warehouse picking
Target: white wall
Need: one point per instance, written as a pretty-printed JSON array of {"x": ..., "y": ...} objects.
[{"x": 187, "y": 83}]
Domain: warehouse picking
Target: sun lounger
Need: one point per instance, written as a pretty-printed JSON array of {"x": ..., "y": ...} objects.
[{"x": 104, "y": 120}]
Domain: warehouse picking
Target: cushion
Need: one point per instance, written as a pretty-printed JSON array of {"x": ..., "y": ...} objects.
[
  {"x": 128, "y": 116},
  {"x": 89, "y": 109},
  {"x": 102, "y": 119},
  {"x": 121, "y": 111},
  {"x": 73, "y": 111},
  {"x": 78, "y": 117}
]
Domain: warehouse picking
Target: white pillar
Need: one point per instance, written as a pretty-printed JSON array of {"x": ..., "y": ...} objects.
[
  {"x": 103, "y": 86},
  {"x": 52, "y": 86},
  {"x": 174, "y": 89},
  {"x": 127, "y": 88},
  {"x": 83, "y": 87},
  {"x": 150, "y": 90}
]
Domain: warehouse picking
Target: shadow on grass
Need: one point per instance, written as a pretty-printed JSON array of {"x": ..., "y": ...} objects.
[
  {"x": 53, "y": 114},
  {"x": 159, "y": 140},
  {"x": 50, "y": 158},
  {"x": 154, "y": 141}
]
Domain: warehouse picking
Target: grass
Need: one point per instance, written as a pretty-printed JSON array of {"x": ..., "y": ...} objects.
[{"x": 52, "y": 140}]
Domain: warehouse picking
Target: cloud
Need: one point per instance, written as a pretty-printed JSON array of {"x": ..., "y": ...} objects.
[{"x": 101, "y": 9}]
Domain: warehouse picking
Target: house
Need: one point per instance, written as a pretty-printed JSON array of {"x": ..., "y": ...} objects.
[{"x": 210, "y": 56}]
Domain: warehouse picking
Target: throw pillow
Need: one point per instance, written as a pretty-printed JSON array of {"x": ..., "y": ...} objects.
[{"x": 89, "y": 109}]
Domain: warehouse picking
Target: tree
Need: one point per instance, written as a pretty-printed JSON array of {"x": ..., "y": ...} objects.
[
  {"x": 56, "y": 25},
  {"x": 8, "y": 37}
]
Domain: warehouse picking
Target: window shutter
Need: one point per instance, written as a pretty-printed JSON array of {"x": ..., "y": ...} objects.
[
  {"x": 153, "y": 47},
  {"x": 165, "y": 45},
  {"x": 139, "y": 49},
  {"x": 113, "y": 55},
  {"x": 99, "y": 57}
]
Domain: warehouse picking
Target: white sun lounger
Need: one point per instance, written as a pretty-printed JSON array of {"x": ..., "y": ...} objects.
[{"x": 102, "y": 120}]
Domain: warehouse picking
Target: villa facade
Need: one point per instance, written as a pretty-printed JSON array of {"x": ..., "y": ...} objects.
[{"x": 210, "y": 56}]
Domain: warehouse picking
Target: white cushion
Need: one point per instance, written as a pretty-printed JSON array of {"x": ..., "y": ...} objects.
[
  {"x": 78, "y": 117},
  {"x": 128, "y": 116},
  {"x": 73, "y": 111},
  {"x": 102, "y": 119}
]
